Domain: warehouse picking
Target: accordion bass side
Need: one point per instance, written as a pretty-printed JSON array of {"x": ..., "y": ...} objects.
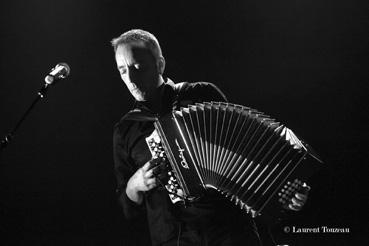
[{"x": 242, "y": 153}]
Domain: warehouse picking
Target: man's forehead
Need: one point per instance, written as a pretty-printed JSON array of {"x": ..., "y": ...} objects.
[
  {"x": 136, "y": 50},
  {"x": 137, "y": 46}
]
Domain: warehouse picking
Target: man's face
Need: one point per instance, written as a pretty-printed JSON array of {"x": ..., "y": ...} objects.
[{"x": 138, "y": 69}]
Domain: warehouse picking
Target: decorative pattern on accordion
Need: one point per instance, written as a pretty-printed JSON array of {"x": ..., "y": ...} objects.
[
  {"x": 157, "y": 151},
  {"x": 244, "y": 154}
]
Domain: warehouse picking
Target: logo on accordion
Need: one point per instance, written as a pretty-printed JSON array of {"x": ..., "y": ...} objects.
[{"x": 181, "y": 155}]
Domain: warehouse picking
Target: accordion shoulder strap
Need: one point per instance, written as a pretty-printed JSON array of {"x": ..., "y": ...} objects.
[
  {"x": 180, "y": 86},
  {"x": 178, "y": 89}
]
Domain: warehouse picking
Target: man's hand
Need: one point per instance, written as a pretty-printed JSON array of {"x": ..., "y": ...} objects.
[
  {"x": 299, "y": 200},
  {"x": 143, "y": 180}
]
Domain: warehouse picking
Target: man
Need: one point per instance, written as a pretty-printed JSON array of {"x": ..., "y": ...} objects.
[{"x": 212, "y": 220}]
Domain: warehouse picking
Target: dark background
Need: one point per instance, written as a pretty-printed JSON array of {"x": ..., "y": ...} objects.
[{"x": 303, "y": 62}]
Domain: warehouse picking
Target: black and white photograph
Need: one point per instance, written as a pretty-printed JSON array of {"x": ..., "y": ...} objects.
[{"x": 184, "y": 123}]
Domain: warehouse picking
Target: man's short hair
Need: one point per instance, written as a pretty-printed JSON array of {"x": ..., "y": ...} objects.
[{"x": 137, "y": 35}]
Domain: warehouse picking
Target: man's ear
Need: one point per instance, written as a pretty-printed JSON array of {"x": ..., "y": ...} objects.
[{"x": 161, "y": 65}]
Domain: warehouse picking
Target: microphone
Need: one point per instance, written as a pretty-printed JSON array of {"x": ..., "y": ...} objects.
[{"x": 60, "y": 71}]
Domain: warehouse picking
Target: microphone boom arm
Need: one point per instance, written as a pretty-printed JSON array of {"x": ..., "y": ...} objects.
[{"x": 6, "y": 140}]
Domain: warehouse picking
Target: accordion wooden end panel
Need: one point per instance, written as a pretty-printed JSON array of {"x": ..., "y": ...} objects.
[{"x": 247, "y": 156}]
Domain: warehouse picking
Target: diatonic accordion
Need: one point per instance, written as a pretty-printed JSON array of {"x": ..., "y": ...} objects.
[{"x": 244, "y": 154}]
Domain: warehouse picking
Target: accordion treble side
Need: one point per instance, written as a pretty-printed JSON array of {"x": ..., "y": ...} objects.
[{"x": 242, "y": 153}]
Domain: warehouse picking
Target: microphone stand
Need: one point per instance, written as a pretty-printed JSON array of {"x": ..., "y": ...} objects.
[{"x": 6, "y": 140}]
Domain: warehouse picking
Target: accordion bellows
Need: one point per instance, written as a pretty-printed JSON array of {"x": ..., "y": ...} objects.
[{"x": 246, "y": 155}]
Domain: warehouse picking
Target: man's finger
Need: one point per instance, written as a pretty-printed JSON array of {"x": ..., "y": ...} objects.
[
  {"x": 305, "y": 188},
  {"x": 150, "y": 182},
  {"x": 297, "y": 202},
  {"x": 154, "y": 162},
  {"x": 158, "y": 169},
  {"x": 162, "y": 177},
  {"x": 301, "y": 196},
  {"x": 293, "y": 207},
  {"x": 148, "y": 174},
  {"x": 146, "y": 166}
]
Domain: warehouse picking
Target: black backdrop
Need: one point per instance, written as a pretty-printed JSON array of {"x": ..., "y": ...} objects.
[{"x": 304, "y": 62}]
